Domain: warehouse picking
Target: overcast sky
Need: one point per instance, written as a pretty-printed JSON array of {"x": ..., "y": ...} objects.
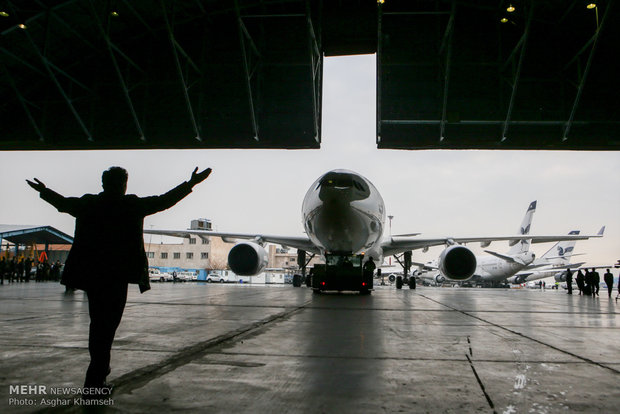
[{"x": 449, "y": 193}]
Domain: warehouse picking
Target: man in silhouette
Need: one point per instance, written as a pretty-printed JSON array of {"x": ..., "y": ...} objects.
[
  {"x": 580, "y": 279},
  {"x": 109, "y": 225},
  {"x": 609, "y": 281},
  {"x": 569, "y": 281},
  {"x": 596, "y": 281},
  {"x": 589, "y": 290},
  {"x": 3, "y": 267}
]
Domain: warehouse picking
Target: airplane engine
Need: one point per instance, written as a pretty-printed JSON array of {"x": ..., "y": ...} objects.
[
  {"x": 247, "y": 259},
  {"x": 519, "y": 279},
  {"x": 457, "y": 263},
  {"x": 439, "y": 279},
  {"x": 560, "y": 277}
]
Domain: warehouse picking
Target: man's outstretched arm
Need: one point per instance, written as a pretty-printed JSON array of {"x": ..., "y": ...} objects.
[
  {"x": 158, "y": 203},
  {"x": 197, "y": 178},
  {"x": 62, "y": 204}
]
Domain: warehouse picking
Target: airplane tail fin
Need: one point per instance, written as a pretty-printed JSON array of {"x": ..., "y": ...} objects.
[
  {"x": 523, "y": 245},
  {"x": 560, "y": 253}
]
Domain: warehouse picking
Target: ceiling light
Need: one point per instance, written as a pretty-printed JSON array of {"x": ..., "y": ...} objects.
[
  {"x": 22, "y": 26},
  {"x": 4, "y": 14},
  {"x": 504, "y": 20},
  {"x": 510, "y": 8},
  {"x": 591, "y": 6}
]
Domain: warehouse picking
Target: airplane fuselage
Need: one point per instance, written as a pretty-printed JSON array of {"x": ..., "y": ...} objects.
[
  {"x": 496, "y": 269},
  {"x": 343, "y": 213}
]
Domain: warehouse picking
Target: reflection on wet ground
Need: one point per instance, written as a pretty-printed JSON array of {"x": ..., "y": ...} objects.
[{"x": 252, "y": 348}]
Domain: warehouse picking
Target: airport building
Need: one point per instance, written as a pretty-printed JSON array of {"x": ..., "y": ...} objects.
[{"x": 42, "y": 243}]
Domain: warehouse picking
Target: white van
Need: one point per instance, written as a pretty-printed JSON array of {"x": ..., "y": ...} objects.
[
  {"x": 155, "y": 275},
  {"x": 187, "y": 276}
]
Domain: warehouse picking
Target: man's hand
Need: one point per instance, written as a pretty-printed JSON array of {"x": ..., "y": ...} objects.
[
  {"x": 39, "y": 186},
  {"x": 196, "y": 177}
]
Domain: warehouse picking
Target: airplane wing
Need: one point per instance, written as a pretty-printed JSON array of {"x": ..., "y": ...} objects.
[
  {"x": 568, "y": 256},
  {"x": 550, "y": 271},
  {"x": 302, "y": 243},
  {"x": 548, "y": 266},
  {"x": 502, "y": 256},
  {"x": 424, "y": 266},
  {"x": 400, "y": 244}
]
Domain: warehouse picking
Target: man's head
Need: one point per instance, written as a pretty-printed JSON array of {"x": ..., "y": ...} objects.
[{"x": 114, "y": 180}]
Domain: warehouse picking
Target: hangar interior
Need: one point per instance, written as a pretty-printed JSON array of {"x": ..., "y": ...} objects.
[{"x": 451, "y": 74}]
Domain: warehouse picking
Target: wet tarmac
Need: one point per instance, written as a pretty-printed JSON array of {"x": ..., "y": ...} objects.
[{"x": 278, "y": 349}]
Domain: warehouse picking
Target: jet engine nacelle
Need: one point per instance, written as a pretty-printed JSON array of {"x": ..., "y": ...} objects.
[
  {"x": 560, "y": 277},
  {"x": 247, "y": 259},
  {"x": 439, "y": 279},
  {"x": 519, "y": 279},
  {"x": 457, "y": 263}
]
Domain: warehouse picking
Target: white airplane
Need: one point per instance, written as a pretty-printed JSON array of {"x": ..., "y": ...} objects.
[
  {"x": 344, "y": 218},
  {"x": 494, "y": 267},
  {"x": 551, "y": 264}
]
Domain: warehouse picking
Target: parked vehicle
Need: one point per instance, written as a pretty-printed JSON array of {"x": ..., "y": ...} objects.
[
  {"x": 155, "y": 275},
  {"x": 187, "y": 276},
  {"x": 216, "y": 278}
]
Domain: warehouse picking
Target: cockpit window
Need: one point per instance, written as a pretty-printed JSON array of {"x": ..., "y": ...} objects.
[
  {"x": 353, "y": 184},
  {"x": 340, "y": 181}
]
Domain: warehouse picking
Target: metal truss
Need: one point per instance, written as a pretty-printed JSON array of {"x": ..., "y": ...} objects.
[
  {"x": 246, "y": 42},
  {"x": 521, "y": 46},
  {"x": 52, "y": 71},
  {"x": 582, "y": 81},
  {"x": 110, "y": 48},
  {"x": 316, "y": 61},
  {"x": 379, "y": 71},
  {"x": 446, "y": 43},
  {"x": 25, "y": 104},
  {"x": 176, "y": 49}
]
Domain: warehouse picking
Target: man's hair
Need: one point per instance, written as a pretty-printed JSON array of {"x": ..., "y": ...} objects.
[{"x": 114, "y": 178}]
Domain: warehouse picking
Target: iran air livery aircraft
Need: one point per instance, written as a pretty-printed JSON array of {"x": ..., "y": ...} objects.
[
  {"x": 495, "y": 267},
  {"x": 344, "y": 217}
]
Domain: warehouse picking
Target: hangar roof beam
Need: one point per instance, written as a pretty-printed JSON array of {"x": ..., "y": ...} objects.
[
  {"x": 243, "y": 35},
  {"x": 584, "y": 76},
  {"x": 379, "y": 72},
  {"x": 106, "y": 37},
  {"x": 517, "y": 75},
  {"x": 316, "y": 67},
  {"x": 447, "y": 40},
  {"x": 176, "y": 49},
  {"x": 24, "y": 103},
  {"x": 49, "y": 68}
]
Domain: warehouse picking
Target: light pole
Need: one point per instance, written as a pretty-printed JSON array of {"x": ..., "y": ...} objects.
[{"x": 390, "y": 218}]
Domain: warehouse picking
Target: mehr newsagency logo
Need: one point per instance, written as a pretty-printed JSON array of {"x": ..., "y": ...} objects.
[{"x": 46, "y": 396}]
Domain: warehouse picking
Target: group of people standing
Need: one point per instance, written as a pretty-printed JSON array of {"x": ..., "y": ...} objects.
[
  {"x": 20, "y": 270},
  {"x": 588, "y": 283}
]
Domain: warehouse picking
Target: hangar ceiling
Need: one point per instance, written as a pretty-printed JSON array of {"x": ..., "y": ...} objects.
[{"x": 137, "y": 74}]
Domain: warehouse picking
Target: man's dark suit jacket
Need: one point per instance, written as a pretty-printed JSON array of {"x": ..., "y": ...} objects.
[{"x": 108, "y": 240}]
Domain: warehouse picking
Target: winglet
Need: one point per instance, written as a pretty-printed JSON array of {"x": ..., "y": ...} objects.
[{"x": 601, "y": 231}]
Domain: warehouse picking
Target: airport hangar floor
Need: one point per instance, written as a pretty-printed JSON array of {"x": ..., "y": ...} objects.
[{"x": 271, "y": 349}]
